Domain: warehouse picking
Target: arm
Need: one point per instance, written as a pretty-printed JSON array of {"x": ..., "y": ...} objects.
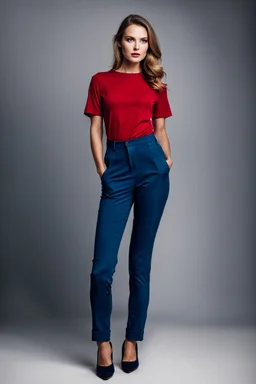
[
  {"x": 162, "y": 137},
  {"x": 96, "y": 135}
]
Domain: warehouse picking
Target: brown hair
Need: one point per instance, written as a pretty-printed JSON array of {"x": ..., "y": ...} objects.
[{"x": 150, "y": 65}]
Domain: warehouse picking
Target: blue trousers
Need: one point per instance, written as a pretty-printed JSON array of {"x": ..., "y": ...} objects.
[{"x": 137, "y": 175}]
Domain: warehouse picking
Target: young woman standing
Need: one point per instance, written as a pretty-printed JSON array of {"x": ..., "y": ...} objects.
[{"x": 132, "y": 101}]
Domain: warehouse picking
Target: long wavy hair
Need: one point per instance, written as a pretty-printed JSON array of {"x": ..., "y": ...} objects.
[{"x": 151, "y": 69}]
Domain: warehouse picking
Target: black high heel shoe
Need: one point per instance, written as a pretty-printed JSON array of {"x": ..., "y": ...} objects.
[
  {"x": 130, "y": 366},
  {"x": 105, "y": 372}
]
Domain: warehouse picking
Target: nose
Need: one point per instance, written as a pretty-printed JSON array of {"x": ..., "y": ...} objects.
[{"x": 136, "y": 47}]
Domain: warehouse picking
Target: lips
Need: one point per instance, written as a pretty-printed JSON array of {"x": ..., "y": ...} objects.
[{"x": 135, "y": 54}]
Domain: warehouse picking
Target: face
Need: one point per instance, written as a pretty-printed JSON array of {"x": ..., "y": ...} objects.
[{"x": 135, "y": 40}]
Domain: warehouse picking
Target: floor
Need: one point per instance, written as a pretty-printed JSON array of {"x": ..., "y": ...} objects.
[{"x": 59, "y": 354}]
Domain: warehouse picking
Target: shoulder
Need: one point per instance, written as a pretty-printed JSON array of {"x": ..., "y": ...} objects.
[
  {"x": 163, "y": 85},
  {"x": 101, "y": 75},
  {"x": 164, "y": 88},
  {"x": 101, "y": 79}
]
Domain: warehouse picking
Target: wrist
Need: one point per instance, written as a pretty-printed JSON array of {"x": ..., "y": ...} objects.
[{"x": 100, "y": 170}]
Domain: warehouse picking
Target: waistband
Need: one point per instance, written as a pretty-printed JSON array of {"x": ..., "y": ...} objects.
[{"x": 113, "y": 144}]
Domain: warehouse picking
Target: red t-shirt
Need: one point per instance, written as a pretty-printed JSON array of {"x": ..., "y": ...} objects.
[{"x": 127, "y": 104}]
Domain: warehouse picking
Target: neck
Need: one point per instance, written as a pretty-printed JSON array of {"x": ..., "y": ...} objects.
[{"x": 129, "y": 67}]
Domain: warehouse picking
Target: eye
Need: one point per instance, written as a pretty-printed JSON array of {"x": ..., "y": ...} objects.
[{"x": 130, "y": 38}]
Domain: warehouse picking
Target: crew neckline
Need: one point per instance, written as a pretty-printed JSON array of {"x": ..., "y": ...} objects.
[{"x": 126, "y": 73}]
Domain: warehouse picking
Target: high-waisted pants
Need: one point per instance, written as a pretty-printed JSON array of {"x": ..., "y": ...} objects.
[{"x": 137, "y": 175}]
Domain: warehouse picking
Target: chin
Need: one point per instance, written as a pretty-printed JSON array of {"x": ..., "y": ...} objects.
[{"x": 135, "y": 59}]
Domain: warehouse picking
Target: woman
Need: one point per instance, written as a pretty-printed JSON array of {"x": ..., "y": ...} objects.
[{"x": 132, "y": 101}]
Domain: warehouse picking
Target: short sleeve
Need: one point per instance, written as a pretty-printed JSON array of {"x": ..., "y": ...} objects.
[
  {"x": 161, "y": 108},
  {"x": 93, "y": 104}
]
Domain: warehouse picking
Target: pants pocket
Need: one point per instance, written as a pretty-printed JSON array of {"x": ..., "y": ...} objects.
[
  {"x": 107, "y": 161},
  {"x": 162, "y": 154}
]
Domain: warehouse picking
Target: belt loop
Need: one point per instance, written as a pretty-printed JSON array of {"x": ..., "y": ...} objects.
[{"x": 114, "y": 145}]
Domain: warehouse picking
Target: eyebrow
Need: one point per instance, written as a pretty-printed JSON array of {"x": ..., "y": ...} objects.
[{"x": 133, "y": 37}]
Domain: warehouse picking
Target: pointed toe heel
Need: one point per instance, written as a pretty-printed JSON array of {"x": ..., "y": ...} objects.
[
  {"x": 129, "y": 366},
  {"x": 107, "y": 372}
]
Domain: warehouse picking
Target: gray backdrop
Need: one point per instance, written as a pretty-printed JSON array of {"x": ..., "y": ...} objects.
[{"x": 203, "y": 263}]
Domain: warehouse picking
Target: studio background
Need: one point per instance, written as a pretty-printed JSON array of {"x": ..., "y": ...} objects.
[{"x": 203, "y": 267}]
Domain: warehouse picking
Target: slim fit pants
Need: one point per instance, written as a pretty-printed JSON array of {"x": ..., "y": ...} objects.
[{"x": 137, "y": 175}]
